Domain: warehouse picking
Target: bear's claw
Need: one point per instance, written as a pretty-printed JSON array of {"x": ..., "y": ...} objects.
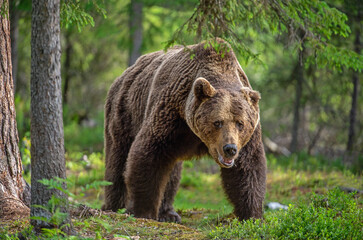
[{"x": 169, "y": 216}]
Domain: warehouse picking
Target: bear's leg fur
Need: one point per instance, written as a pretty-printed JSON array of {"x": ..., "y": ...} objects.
[
  {"x": 166, "y": 211},
  {"x": 115, "y": 194},
  {"x": 148, "y": 168},
  {"x": 117, "y": 145},
  {"x": 245, "y": 183}
]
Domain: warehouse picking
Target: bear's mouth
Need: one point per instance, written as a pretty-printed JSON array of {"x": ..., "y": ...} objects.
[{"x": 225, "y": 162}]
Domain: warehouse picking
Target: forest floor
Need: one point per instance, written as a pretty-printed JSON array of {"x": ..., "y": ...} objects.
[{"x": 300, "y": 182}]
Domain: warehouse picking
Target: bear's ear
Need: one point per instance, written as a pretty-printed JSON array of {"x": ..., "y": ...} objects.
[
  {"x": 255, "y": 96},
  {"x": 203, "y": 89}
]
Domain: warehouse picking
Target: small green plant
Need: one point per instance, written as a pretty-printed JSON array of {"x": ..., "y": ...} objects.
[
  {"x": 118, "y": 236},
  {"x": 27, "y": 231},
  {"x": 54, "y": 208},
  {"x": 54, "y": 205},
  {"x": 58, "y": 183},
  {"x": 130, "y": 217}
]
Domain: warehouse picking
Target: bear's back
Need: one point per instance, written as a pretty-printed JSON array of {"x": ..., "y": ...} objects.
[
  {"x": 134, "y": 89},
  {"x": 164, "y": 78}
]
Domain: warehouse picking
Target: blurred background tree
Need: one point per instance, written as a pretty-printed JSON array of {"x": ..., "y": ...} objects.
[{"x": 303, "y": 56}]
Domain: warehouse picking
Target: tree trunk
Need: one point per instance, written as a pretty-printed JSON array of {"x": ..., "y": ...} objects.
[
  {"x": 135, "y": 31},
  {"x": 315, "y": 139},
  {"x": 299, "y": 77},
  {"x": 67, "y": 66},
  {"x": 14, "y": 192},
  {"x": 14, "y": 34},
  {"x": 47, "y": 142},
  {"x": 355, "y": 80}
]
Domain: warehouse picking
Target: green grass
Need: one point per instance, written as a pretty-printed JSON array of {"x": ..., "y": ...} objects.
[
  {"x": 293, "y": 178},
  {"x": 199, "y": 189},
  {"x": 302, "y": 161},
  {"x": 334, "y": 215},
  {"x": 81, "y": 138}
]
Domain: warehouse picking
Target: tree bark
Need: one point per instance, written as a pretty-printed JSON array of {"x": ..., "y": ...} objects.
[
  {"x": 135, "y": 25},
  {"x": 47, "y": 142},
  {"x": 14, "y": 192},
  {"x": 14, "y": 35},
  {"x": 355, "y": 80},
  {"x": 299, "y": 77}
]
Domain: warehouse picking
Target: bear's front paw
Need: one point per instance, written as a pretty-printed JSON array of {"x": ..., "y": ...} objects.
[{"x": 169, "y": 216}]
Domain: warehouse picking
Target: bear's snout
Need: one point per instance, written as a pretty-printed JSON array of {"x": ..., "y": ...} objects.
[{"x": 230, "y": 150}]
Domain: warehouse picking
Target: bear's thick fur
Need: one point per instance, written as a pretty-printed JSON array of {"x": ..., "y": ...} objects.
[{"x": 169, "y": 107}]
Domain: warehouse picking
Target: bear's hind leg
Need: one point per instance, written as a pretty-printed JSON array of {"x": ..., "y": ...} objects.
[{"x": 166, "y": 210}]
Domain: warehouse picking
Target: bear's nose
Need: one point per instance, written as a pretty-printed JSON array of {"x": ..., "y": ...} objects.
[{"x": 230, "y": 150}]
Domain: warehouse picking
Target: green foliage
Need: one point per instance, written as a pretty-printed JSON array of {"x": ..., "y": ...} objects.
[
  {"x": 56, "y": 183},
  {"x": 74, "y": 12},
  {"x": 85, "y": 171},
  {"x": 4, "y": 9},
  {"x": 54, "y": 205},
  {"x": 26, "y": 230},
  {"x": 213, "y": 19},
  {"x": 331, "y": 216},
  {"x": 311, "y": 21},
  {"x": 59, "y": 183},
  {"x": 22, "y": 116},
  {"x": 84, "y": 138},
  {"x": 328, "y": 55},
  {"x": 57, "y": 216}
]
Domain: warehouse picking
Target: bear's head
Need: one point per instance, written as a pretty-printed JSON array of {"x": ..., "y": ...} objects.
[{"x": 224, "y": 119}]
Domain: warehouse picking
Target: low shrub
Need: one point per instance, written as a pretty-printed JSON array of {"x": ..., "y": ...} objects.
[{"x": 331, "y": 216}]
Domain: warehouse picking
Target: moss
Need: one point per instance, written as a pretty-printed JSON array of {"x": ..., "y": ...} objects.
[{"x": 114, "y": 224}]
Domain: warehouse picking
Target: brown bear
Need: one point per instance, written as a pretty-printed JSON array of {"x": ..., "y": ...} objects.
[{"x": 169, "y": 107}]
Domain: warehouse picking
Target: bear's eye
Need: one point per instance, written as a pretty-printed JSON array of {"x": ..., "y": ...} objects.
[
  {"x": 239, "y": 125},
  {"x": 218, "y": 124}
]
